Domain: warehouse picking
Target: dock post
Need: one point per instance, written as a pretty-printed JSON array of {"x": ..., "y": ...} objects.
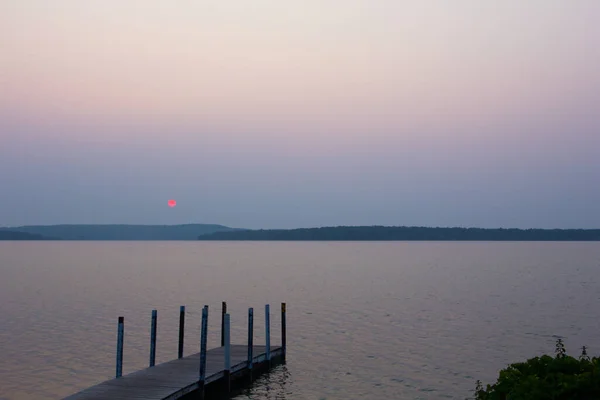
[
  {"x": 120, "y": 334},
  {"x": 268, "y": 334},
  {"x": 203, "y": 335},
  {"x": 250, "y": 340},
  {"x": 181, "y": 329},
  {"x": 153, "y": 339},
  {"x": 227, "y": 343},
  {"x": 283, "y": 333},
  {"x": 223, "y": 312}
]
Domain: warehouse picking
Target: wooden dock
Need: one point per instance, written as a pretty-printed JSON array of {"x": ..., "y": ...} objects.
[{"x": 201, "y": 375}]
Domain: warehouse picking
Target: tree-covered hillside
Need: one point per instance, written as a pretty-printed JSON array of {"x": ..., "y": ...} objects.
[{"x": 408, "y": 233}]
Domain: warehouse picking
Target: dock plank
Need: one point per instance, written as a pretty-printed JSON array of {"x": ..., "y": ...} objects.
[{"x": 172, "y": 379}]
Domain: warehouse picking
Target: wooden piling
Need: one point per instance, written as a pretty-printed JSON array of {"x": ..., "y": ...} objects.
[
  {"x": 181, "y": 329},
  {"x": 120, "y": 335},
  {"x": 283, "y": 331},
  {"x": 250, "y": 340},
  {"x": 227, "y": 345},
  {"x": 153, "y": 338},
  {"x": 268, "y": 332},
  {"x": 223, "y": 312},
  {"x": 203, "y": 338}
]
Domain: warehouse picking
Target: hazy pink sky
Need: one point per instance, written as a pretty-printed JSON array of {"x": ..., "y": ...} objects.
[{"x": 272, "y": 113}]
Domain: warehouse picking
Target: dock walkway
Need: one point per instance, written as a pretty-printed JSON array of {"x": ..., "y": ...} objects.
[{"x": 177, "y": 378}]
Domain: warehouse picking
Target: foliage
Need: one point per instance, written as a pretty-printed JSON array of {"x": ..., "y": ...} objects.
[
  {"x": 12, "y": 235},
  {"x": 547, "y": 378},
  {"x": 115, "y": 232},
  {"x": 560, "y": 349},
  {"x": 406, "y": 233}
]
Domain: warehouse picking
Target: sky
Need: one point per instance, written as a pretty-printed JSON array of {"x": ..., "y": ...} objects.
[{"x": 282, "y": 114}]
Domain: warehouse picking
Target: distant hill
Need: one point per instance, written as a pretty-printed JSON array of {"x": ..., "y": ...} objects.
[
  {"x": 12, "y": 235},
  {"x": 121, "y": 232},
  {"x": 408, "y": 233}
]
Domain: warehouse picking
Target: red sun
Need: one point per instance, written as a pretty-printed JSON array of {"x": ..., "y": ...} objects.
[{"x": 172, "y": 203}]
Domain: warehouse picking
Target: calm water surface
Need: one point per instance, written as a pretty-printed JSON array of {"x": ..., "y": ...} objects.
[{"x": 386, "y": 320}]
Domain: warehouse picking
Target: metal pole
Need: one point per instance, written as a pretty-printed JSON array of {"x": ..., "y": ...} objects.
[
  {"x": 268, "y": 332},
  {"x": 153, "y": 339},
  {"x": 181, "y": 330},
  {"x": 223, "y": 312},
  {"x": 283, "y": 332},
  {"x": 203, "y": 335},
  {"x": 250, "y": 340},
  {"x": 227, "y": 344},
  {"x": 120, "y": 334}
]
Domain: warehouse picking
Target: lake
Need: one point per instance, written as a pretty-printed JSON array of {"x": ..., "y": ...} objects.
[{"x": 375, "y": 320}]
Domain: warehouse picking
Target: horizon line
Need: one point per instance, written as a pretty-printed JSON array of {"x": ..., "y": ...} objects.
[{"x": 296, "y": 228}]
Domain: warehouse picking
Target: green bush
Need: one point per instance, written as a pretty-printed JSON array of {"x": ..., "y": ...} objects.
[{"x": 544, "y": 378}]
